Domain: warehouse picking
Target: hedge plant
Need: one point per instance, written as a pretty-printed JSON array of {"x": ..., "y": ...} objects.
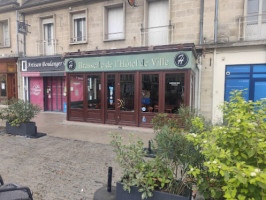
[{"x": 234, "y": 152}]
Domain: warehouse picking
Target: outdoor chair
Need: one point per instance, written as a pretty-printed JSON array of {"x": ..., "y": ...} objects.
[{"x": 12, "y": 191}]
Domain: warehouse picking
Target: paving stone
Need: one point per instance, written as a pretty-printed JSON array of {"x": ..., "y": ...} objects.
[{"x": 56, "y": 168}]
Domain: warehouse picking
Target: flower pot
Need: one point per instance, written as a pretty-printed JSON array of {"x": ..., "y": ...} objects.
[
  {"x": 136, "y": 195},
  {"x": 25, "y": 129}
]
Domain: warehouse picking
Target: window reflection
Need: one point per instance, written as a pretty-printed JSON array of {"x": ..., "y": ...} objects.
[
  {"x": 94, "y": 91},
  {"x": 150, "y": 93},
  {"x": 174, "y": 92},
  {"x": 111, "y": 92},
  {"x": 76, "y": 91},
  {"x": 3, "y": 85},
  {"x": 126, "y": 101}
]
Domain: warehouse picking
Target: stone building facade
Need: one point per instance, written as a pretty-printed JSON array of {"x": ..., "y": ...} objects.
[{"x": 229, "y": 37}]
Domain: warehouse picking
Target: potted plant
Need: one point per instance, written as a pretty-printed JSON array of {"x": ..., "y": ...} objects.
[
  {"x": 163, "y": 177},
  {"x": 18, "y": 115},
  {"x": 234, "y": 152}
]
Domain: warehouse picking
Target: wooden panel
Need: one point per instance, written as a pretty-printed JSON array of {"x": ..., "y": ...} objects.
[
  {"x": 110, "y": 117},
  {"x": 128, "y": 118},
  {"x": 94, "y": 116},
  {"x": 3, "y": 67},
  {"x": 148, "y": 117},
  {"x": 76, "y": 115}
]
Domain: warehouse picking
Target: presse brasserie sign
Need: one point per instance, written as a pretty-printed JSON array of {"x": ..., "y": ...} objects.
[{"x": 167, "y": 60}]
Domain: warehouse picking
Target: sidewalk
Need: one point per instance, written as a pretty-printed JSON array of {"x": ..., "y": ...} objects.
[
  {"x": 55, "y": 124},
  {"x": 70, "y": 163}
]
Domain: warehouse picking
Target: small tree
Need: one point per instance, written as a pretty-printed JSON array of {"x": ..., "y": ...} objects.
[{"x": 235, "y": 152}]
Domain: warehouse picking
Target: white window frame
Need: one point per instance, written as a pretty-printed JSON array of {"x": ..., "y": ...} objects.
[
  {"x": 49, "y": 47},
  {"x": 6, "y": 42},
  {"x": 74, "y": 16},
  {"x": 106, "y": 37},
  {"x": 45, "y": 22}
]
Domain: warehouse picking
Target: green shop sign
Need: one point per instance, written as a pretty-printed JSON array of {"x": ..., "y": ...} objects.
[{"x": 132, "y": 62}]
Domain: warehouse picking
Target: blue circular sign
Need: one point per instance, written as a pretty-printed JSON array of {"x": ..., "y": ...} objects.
[{"x": 181, "y": 60}]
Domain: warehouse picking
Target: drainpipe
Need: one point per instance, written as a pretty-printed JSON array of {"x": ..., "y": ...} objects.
[
  {"x": 216, "y": 20},
  {"x": 201, "y": 20},
  {"x": 17, "y": 32},
  {"x": 24, "y": 38}
]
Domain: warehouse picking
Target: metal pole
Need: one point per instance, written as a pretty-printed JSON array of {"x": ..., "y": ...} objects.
[
  {"x": 109, "y": 183},
  {"x": 149, "y": 148}
]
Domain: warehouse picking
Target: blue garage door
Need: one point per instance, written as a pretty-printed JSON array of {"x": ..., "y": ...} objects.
[{"x": 252, "y": 78}]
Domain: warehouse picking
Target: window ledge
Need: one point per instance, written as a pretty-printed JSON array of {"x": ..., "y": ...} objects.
[
  {"x": 76, "y": 43},
  {"x": 2, "y": 47},
  {"x": 113, "y": 40}
]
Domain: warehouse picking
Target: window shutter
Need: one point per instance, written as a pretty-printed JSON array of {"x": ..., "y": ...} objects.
[
  {"x": 158, "y": 22},
  {"x": 115, "y": 23}
]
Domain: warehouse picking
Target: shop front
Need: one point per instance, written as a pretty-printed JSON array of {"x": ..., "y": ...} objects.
[
  {"x": 44, "y": 82},
  {"x": 129, "y": 89},
  {"x": 8, "y": 79}
]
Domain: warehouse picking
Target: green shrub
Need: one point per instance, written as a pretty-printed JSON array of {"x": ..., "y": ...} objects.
[
  {"x": 147, "y": 174},
  {"x": 235, "y": 152},
  {"x": 171, "y": 144},
  {"x": 182, "y": 119},
  {"x": 19, "y": 111},
  {"x": 163, "y": 119}
]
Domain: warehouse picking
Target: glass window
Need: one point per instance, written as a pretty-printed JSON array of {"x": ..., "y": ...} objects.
[
  {"x": 111, "y": 92},
  {"x": 236, "y": 84},
  {"x": 94, "y": 91},
  {"x": 76, "y": 91},
  {"x": 174, "y": 92},
  {"x": 126, "y": 101},
  {"x": 4, "y": 34},
  {"x": 238, "y": 69},
  {"x": 259, "y": 68},
  {"x": 79, "y": 33},
  {"x": 115, "y": 23},
  {"x": 48, "y": 33},
  {"x": 79, "y": 29},
  {"x": 3, "y": 85},
  {"x": 150, "y": 93}
]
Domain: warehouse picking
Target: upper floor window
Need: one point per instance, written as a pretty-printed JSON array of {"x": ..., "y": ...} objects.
[
  {"x": 256, "y": 11},
  {"x": 4, "y": 34},
  {"x": 79, "y": 33},
  {"x": 158, "y": 22},
  {"x": 255, "y": 23},
  {"x": 48, "y": 42},
  {"x": 114, "y": 22}
]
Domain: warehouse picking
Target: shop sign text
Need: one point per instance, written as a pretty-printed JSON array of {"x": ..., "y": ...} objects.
[{"x": 127, "y": 62}]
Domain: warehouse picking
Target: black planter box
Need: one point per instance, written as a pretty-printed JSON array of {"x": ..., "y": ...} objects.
[
  {"x": 136, "y": 195},
  {"x": 25, "y": 129}
]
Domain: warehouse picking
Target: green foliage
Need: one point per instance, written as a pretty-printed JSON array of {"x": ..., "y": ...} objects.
[
  {"x": 235, "y": 152},
  {"x": 171, "y": 144},
  {"x": 19, "y": 111},
  {"x": 183, "y": 119},
  {"x": 163, "y": 119},
  {"x": 147, "y": 174}
]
